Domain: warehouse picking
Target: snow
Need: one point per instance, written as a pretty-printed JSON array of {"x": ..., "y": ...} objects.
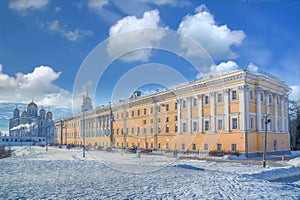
[{"x": 65, "y": 174}]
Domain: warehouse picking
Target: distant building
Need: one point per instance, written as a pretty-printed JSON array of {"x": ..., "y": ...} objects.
[
  {"x": 31, "y": 125},
  {"x": 87, "y": 103}
]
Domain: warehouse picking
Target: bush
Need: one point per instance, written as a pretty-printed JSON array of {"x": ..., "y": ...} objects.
[
  {"x": 222, "y": 153},
  {"x": 4, "y": 153}
]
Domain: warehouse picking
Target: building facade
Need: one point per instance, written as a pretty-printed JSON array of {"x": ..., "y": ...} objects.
[
  {"x": 223, "y": 113},
  {"x": 31, "y": 125}
]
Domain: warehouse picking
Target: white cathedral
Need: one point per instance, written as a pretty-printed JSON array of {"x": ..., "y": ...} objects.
[{"x": 31, "y": 125}]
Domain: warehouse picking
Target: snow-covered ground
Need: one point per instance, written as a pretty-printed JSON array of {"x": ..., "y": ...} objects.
[{"x": 65, "y": 174}]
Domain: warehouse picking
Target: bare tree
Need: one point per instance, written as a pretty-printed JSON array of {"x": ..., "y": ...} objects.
[{"x": 294, "y": 119}]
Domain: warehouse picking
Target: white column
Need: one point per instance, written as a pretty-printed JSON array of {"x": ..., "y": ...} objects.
[
  {"x": 275, "y": 113},
  {"x": 226, "y": 110},
  {"x": 286, "y": 114},
  {"x": 189, "y": 115},
  {"x": 213, "y": 111},
  {"x": 200, "y": 113},
  {"x": 243, "y": 112},
  {"x": 268, "y": 109},
  {"x": 258, "y": 109},
  {"x": 178, "y": 116},
  {"x": 282, "y": 114}
]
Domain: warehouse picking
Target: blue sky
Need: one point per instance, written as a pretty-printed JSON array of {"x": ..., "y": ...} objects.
[{"x": 43, "y": 43}]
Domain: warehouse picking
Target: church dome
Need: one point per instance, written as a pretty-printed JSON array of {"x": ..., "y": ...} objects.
[
  {"x": 24, "y": 113},
  {"x": 49, "y": 115},
  {"x": 32, "y": 104}
]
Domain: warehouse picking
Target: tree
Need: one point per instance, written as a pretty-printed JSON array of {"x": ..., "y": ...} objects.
[{"x": 294, "y": 119}]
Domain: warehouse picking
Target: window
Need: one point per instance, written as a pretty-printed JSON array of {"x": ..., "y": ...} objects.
[
  {"x": 126, "y": 130},
  {"x": 138, "y": 130},
  {"x": 261, "y": 96},
  {"x": 219, "y": 147},
  {"x": 220, "y": 124},
  {"x": 234, "y": 123},
  {"x": 145, "y": 111},
  {"x": 194, "y": 147},
  {"x": 270, "y": 124},
  {"x": 151, "y": 129},
  {"x": 151, "y": 121},
  {"x": 158, "y": 145},
  {"x": 126, "y": 114},
  {"x": 117, "y": 131},
  {"x": 167, "y": 119},
  {"x": 138, "y": 113},
  {"x": 158, "y": 129},
  {"x": 182, "y": 146},
  {"x": 183, "y": 104},
  {"x": 251, "y": 94},
  {"x": 145, "y": 130},
  {"x": 278, "y": 99},
  {"x": 205, "y": 147},
  {"x": 151, "y": 110},
  {"x": 219, "y": 97},
  {"x": 132, "y": 113},
  {"x": 206, "y": 99},
  {"x": 175, "y": 128},
  {"x": 167, "y": 145},
  {"x": 194, "y": 101},
  {"x": 195, "y": 126},
  {"x": 206, "y": 125},
  {"x": 184, "y": 127},
  {"x": 158, "y": 120},
  {"x": 175, "y": 118},
  {"x": 262, "y": 124},
  {"x": 167, "y": 107},
  {"x": 144, "y": 121},
  {"x": 251, "y": 123},
  {"x": 167, "y": 128},
  {"x": 132, "y": 130},
  {"x": 270, "y": 98},
  {"x": 176, "y": 106},
  {"x": 275, "y": 145},
  {"x": 233, "y": 95},
  {"x": 233, "y": 147},
  {"x": 158, "y": 108}
]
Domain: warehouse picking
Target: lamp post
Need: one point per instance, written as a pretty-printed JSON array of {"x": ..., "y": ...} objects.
[
  {"x": 47, "y": 128},
  {"x": 111, "y": 125},
  {"x": 265, "y": 141},
  {"x": 83, "y": 133}
]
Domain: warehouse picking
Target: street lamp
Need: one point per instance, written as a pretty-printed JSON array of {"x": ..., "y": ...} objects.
[
  {"x": 83, "y": 129},
  {"x": 111, "y": 125},
  {"x": 265, "y": 145}
]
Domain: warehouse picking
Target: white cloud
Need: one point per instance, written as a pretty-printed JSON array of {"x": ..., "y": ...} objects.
[
  {"x": 295, "y": 94},
  {"x": 217, "y": 40},
  {"x": 57, "y": 9},
  {"x": 222, "y": 68},
  {"x": 74, "y": 35},
  {"x": 166, "y": 2},
  {"x": 97, "y": 5},
  {"x": 37, "y": 85},
  {"x": 117, "y": 45},
  {"x": 24, "y": 5},
  {"x": 253, "y": 68}
]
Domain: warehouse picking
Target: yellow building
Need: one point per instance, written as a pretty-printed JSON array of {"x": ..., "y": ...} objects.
[{"x": 224, "y": 113}]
